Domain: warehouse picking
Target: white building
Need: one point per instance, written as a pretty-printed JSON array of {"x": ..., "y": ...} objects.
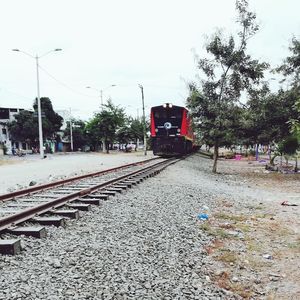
[{"x": 8, "y": 115}]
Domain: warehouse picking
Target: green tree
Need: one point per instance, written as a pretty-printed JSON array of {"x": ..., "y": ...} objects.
[
  {"x": 51, "y": 120},
  {"x": 93, "y": 133},
  {"x": 106, "y": 123},
  {"x": 25, "y": 126},
  {"x": 137, "y": 130},
  {"x": 80, "y": 138},
  {"x": 291, "y": 65},
  {"x": 124, "y": 134},
  {"x": 227, "y": 72},
  {"x": 291, "y": 69}
]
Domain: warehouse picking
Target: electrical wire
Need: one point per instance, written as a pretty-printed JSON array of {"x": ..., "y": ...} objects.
[{"x": 65, "y": 85}]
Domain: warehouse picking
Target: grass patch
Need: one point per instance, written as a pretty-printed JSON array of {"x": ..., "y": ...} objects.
[
  {"x": 235, "y": 218},
  {"x": 254, "y": 207},
  {"x": 244, "y": 227},
  {"x": 228, "y": 256},
  {"x": 254, "y": 246},
  {"x": 241, "y": 290},
  {"x": 295, "y": 245},
  {"x": 215, "y": 232}
]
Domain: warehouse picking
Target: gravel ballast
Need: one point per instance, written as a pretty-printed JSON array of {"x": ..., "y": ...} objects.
[{"x": 144, "y": 244}]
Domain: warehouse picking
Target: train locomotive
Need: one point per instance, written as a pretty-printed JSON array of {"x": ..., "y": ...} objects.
[{"x": 171, "y": 130}]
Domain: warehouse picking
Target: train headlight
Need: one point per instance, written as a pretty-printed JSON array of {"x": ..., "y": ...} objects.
[
  {"x": 178, "y": 130},
  {"x": 168, "y": 125},
  {"x": 164, "y": 105},
  {"x": 156, "y": 130},
  {"x": 170, "y": 105}
]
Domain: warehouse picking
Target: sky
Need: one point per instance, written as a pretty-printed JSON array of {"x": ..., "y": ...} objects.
[{"x": 123, "y": 43}]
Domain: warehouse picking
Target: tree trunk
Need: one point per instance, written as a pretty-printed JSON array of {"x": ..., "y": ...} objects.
[
  {"x": 296, "y": 165},
  {"x": 107, "y": 146},
  {"x": 103, "y": 145},
  {"x": 256, "y": 152},
  {"x": 216, "y": 154}
]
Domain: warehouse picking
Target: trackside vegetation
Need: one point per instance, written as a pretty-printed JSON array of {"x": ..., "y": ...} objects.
[{"x": 232, "y": 103}]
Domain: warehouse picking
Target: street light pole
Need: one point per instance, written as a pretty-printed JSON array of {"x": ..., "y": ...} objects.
[
  {"x": 71, "y": 131},
  {"x": 38, "y": 96},
  {"x": 101, "y": 92},
  {"x": 144, "y": 120},
  {"x": 39, "y": 109}
]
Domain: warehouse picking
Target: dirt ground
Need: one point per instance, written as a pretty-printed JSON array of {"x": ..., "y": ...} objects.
[{"x": 256, "y": 245}]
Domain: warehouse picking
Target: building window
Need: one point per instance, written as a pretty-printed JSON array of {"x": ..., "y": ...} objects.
[
  {"x": 4, "y": 131},
  {"x": 4, "y": 113},
  {"x": 13, "y": 110}
]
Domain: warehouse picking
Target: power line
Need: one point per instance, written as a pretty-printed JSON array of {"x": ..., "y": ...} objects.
[{"x": 65, "y": 85}]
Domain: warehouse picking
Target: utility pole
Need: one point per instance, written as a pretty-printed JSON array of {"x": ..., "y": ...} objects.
[
  {"x": 39, "y": 109},
  {"x": 71, "y": 131},
  {"x": 144, "y": 120},
  {"x": 38, "y": 95}
]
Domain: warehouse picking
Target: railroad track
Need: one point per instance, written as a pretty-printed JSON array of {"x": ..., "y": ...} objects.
[{"x": 54, "y": 203}]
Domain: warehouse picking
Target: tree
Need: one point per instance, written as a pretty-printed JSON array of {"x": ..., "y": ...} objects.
[
  {"x": 51, "y": 121},
  {"x": 137, "y": 130},
  {"x": 24, "y": 128},
  {"x": 25, "y": 125},
  {"x": 79, "y": 135},
  {"x": 228, "y": 71},
  {"x": 93, "y": 133},
  {"x": 291, "y": 65},
  {"x": 105, "y": 124},
  {"x": 124, "y": 134}
]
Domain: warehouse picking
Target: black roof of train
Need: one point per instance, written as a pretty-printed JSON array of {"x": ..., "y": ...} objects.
[{"x": 162, "y": 106}]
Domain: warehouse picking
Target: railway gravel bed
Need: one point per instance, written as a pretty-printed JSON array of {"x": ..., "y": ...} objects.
[{"x": 144, "y": 244}]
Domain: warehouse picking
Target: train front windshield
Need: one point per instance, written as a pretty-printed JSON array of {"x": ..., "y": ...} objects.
[{"x": 167, "y": 120}]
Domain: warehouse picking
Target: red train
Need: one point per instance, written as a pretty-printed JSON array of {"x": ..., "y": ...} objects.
[{"x": 171, "y": 130}]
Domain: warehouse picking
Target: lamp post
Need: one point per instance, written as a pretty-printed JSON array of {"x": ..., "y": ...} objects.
[
  {"x": 101, "y": 98},
  {"x": 36, "y": 57},
  {"x": 71, "y": 131},
  {"x": 101, "y": 92},
  {"x": 144, "y": 120}
]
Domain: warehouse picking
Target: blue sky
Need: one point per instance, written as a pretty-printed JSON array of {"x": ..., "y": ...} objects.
[{"x": 124, "y": 43}]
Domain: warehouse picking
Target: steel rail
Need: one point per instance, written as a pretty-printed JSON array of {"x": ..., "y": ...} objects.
[
  {"x": 12, "y": 195},
  {"x": 29, "y": 213}
]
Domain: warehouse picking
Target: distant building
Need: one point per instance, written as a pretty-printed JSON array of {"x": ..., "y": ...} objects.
[{"x": 7, "y": 115}]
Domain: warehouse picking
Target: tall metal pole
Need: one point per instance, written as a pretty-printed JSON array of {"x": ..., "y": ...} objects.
[
  {"x": 103, "y": 140},
  {"x": 71, "y": 131},
  {"x": 39, "y": 109},
  {"x": 144, "y": 120},
  {"x": 38, "y": 95}
]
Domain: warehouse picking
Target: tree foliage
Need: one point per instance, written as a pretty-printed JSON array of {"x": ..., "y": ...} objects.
[
  {"x": 226, "y": 72},
  {"x": 105, "y": 124},
  {"x": 291, "y": 65},
  {"x": 25, "y": 126},
  {"x": 80, "y": 138}
]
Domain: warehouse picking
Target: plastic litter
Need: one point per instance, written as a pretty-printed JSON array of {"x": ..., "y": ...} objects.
[
  {"x": 203, "y": 216},
  {"x": 204, "y": 213}
]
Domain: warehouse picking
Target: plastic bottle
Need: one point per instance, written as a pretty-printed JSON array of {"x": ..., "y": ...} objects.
[{"x": 204, "y": 213}]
